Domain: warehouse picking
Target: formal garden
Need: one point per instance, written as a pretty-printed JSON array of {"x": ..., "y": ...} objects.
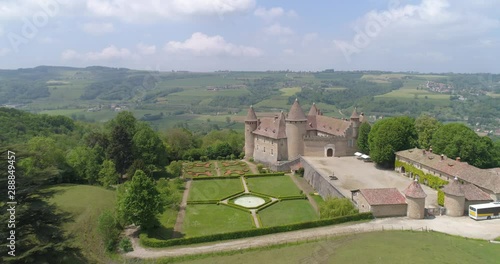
[{"x": 215, "y": 168}]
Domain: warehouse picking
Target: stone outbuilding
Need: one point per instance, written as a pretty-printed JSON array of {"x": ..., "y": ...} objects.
[
  {"x": 474, "y": 195},
  {"x": 454, "y": 198},
  {"x": 415, "y": 198},
  {"x": 382, "y": 202}
]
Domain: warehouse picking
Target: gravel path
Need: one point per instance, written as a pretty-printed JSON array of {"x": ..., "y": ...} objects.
[
  {"x": 461, "y": 226},
  {"x": 252, "y": 166},
  {"x": 182, "y": 211},
  {"x": 306, "y": 189}
]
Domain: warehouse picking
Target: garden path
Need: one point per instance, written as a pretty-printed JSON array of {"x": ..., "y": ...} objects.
[
  {"x": 255, "y": 219},
  {"x": 182, "y": 211},
  {"x": 252, "y": 166},
  {"x": 217, "y": 168},
  {"x": 244, "y": 184}
]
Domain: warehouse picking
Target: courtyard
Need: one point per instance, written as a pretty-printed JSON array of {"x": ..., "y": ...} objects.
[{"x": 353, "y": 174}]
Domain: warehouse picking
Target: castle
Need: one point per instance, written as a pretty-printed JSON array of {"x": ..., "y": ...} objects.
[{"x": 283, "y": 138}]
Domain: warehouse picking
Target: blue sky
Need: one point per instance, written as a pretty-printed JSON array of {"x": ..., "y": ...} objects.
[{"x": 209, "y": 35}]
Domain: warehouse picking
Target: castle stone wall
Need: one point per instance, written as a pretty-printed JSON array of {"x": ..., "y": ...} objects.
[
  {"x": 454, "y": 205},
  {"x": 320, "y": 184}
]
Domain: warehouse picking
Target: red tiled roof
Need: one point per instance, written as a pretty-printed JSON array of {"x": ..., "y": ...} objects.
[
  {"x": 272, "y": 127},
  {"x": 414, "y": 190},
  {"x": 296, "y": 113},
  {"x": 383, "y": 196},
  {"x": 328, "y": 125},
  {"x": 473, "y": 193},
  {"x": 487, "y": 179}
]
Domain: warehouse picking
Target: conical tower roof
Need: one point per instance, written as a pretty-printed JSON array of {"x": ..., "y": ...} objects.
[
  {"x": 454, "y": 188},
  {"x": 251, "y": 116},
  {"x": 296, "y": 113},
  {"x": 314, "y": 110},
  {"x": 355, "y": 113},
  {"x": 414, "y": 190}
]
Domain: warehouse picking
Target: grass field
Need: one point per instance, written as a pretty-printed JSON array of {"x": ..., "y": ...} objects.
[
  {"x": 84, "y": 203},
  {"x": 273, "y": 185},
  {"x": 377, "y": 247},
  {"x": 214, "y": 189},
  {"x": 206, "y": 219},
  {"x": 289, "y": 91},
  {"x": 319, "y": 200},
  {"x": 288, "y": 212}
]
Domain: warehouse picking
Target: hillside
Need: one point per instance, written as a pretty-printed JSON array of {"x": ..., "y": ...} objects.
[{"x": 203, "y": 101}]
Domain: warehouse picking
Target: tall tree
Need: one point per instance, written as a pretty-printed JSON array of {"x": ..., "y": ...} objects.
[
  {"x": 120, "y": 149},
  {"x": 178, "y": 141},
  {"x": 362, "y": 141},
  {"x": 457, "y": 140},
  {"x": 107, "y": 174},
  {"x": 149, "y": 147},
  {"x": 139, "y": 201},
  {"x": 390, "y": 135},
  {"x": 85, "y": 163},
  {"x": 426, "y": 126}
]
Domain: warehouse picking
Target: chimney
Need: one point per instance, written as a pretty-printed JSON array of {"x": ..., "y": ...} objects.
[
  {"x": 458, "y": 159},
  {"x": 442, "y": 157}
]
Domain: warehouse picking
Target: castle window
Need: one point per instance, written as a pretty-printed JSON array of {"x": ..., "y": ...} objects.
[
  {"x": 272, "y": 152},
  {"x": 350, "y": 143},
  {"x": 264, "y": 149}
]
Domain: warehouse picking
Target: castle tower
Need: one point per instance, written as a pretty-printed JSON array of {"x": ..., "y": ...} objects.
[
  {"x": 314, "y": 110},
  {"x": 251, "y": 123},
  {"x": 355, "y": 123},
  {"x": 295, "y": 130},
  {"x": 454, "y": 198},
  {"x": 415, "y": 198}
]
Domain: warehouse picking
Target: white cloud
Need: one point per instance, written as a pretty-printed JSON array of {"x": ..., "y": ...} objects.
[
  {"x": 278, "y": 30},
  {"x": 202, "y": 45},
  {"x": 98, "y": 28},
  {"x": 148, "y": 10},
  {"x": 4, "y": 51},
  {"x": 288, "y": 51},
  {"x": 146, "y": 49},
  {"x": 273, "y": 13},
  {"x": 109, "y": 53}
]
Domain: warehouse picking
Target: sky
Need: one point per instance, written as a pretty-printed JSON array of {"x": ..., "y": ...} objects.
[{"x": 210, "y": 35}]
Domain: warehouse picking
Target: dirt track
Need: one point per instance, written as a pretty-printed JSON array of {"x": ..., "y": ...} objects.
[{"x": 461, "y": 226}]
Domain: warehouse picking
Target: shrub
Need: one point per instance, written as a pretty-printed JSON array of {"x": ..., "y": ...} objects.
[
  {"x": 260, "y": 168},
  {"x": 300, "y": 172},
  {"x": 440, "y": 198},
  {"x": 156, "y": 243},
  {"x": 265, "y": 175},
  {"x": 251, "y": 160},
  {"x": 109, "y": 230},
  {"x": 336, "y": 207},
  {"x": 126, "y": 245}
]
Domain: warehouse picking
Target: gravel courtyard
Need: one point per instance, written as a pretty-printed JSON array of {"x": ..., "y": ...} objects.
[{"x": 356, "y": 174}]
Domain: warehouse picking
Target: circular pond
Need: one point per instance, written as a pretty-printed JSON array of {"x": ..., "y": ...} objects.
[{"x": 249, "y": 201}]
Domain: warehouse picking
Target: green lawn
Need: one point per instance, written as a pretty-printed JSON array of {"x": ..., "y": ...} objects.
[
  {"x": 84, "y": 203},
  {"x": 319, "y": 200},
  {"x": 377, "y": 247},
  {"x": 273, "y": 185},
  {"x": 288, "y": 212},
  {"x": 214, "y": 189},
  {"x": 206, "y": 219},
  {"x": 290, "y": 91}
]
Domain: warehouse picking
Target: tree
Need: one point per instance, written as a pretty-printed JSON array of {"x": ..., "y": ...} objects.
[
  {"x": 335, "y": 207},
  {"x": 139, "y": 201},
  {"x": 178, "y": 141},
  {"x": 390, "y": 135},
  {"x": 120, "y": 149},
  {"x": 426, "y": 126},
  {"x": 457, "y": 140},
  {"x": 108, "y": 229},
  {"x": 148, "y": 147},
  {"x": 362, "y": 141},
  {"x": 85, "y": 163},
  {"x": 175, "y": 168},
  {"x": 107, "y": 174}
]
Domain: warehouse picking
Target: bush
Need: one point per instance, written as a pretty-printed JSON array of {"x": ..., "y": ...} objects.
[
  {"x": 440, "y": 197},
  {"x": 260, "y": 168},
  {"x": 251, "y": 160},
  {"x": 126, "y": 245},
  {"x": 300, "y": 172},
  {"x": 156, "y": 243},
  {"x": 265, "y": 175},
  {"x": 109, "y": 230},
  {"x": 336, "y": 207}
]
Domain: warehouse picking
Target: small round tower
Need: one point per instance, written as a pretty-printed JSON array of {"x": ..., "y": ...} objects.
[
  {"x": 454, "y": 198},
  {"x": 295, "y": 130},
  {"x": 251, "y": 123},
  {"x": 355, "y": 123},
  {"x": 415, "y": 198}
]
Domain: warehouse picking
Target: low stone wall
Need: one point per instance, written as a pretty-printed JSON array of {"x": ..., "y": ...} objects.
[{"x": 320, "y": 184}]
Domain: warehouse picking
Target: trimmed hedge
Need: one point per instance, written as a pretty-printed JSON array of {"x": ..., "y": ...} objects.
[
  {"x": 232, "y": 195},
  {"x": 261, "y": 195},
  {"x": 265, "y": 174},
  {"x": 215, "y": 177},
  {"x": 236, "y": 207},
  {"x": 156, "y": 243},
  {"x": 266, "y": 199},
  {"x": 203, "y": 202},
  {"x": 292, "y": 197},
  {"x": 267, "y": 205}
]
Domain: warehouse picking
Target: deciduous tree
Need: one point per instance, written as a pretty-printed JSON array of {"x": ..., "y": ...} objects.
[{"x": 362, "y": 141}]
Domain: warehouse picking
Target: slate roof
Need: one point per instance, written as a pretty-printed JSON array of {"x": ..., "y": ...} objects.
[
  {"x": 383, "y": 196},
  {"x": 296, "y": 113},
  {"x": 329, "y": 125},
  {"x": 314, "y": 110},
  {"x": 414, "y": 190},
  {"x": 272, "y": 127},
  {"x": 355, "y": 113},
  {"x": 487, "y": 179},
  {"x": 251, "y": 116}
]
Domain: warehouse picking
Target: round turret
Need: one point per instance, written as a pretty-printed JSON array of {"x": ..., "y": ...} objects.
[
  {"x": 251, "y": 123},
  {"x": 415, "y": 198},
  {"x": 295, "y": 130},
  {"x": 454, "y": 198}
]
